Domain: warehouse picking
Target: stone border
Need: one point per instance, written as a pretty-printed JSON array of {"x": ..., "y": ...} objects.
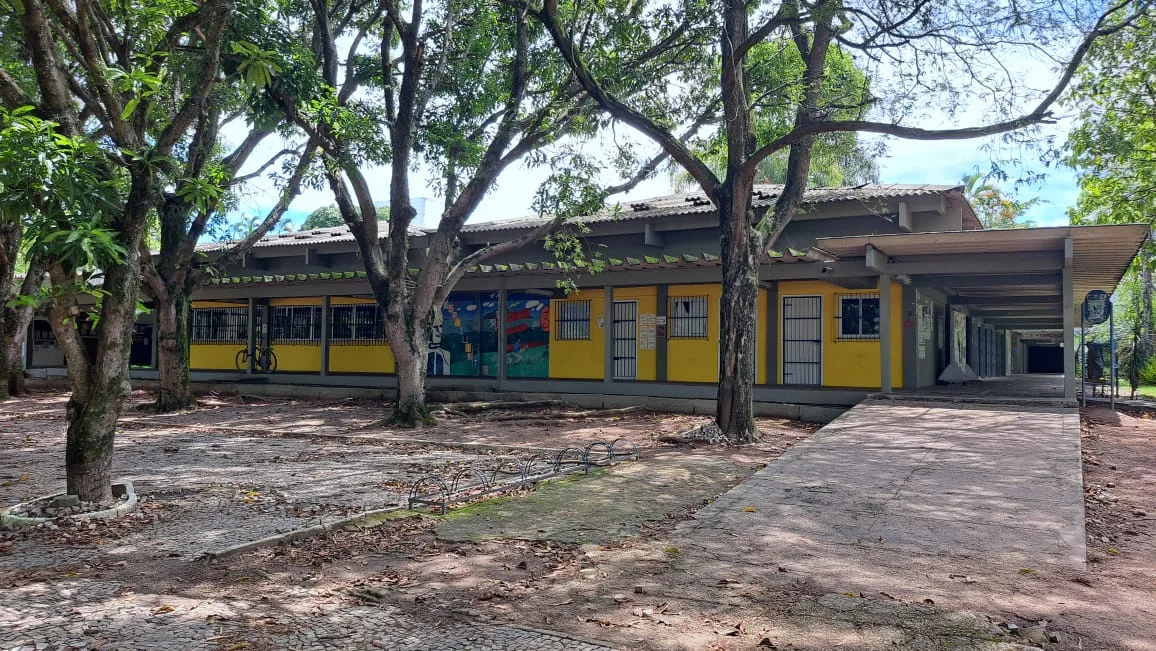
[
  {"x": 129, "y": 504},
  {"x": 298, "y": 534}
]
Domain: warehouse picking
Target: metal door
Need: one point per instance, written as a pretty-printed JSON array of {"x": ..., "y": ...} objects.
[
  {"x": 803, "y": 340},
  {"x": 625, "y": 340}
]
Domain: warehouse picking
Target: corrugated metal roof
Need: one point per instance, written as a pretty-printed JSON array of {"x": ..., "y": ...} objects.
[
  {"x": 692, "y": 203},
  {"x": 1101, "y": 253},
  {"x": 312, "y": 237}
]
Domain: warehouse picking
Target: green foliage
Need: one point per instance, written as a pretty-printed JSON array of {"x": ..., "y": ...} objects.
[
  {"x": 995, "y": 208},
  {"x": 48, "y": 180},
  {"x": 330, "y": 216},
  {"x": 257, "y": 66},
  {"x": 1113, "y": 145},
  {"x": 1148, "y": 372}
]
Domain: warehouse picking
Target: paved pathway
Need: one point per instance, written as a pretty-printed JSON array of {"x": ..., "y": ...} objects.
[{"x": 890, "y": 482}]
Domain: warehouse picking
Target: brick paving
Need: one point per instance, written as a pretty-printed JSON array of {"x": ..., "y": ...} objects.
[{"x": 201, "y": 491}]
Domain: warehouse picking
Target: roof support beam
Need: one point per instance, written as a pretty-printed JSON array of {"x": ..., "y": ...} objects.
[
  {"x": 991, "y": 281},
  {"x": 973, "y": 263},
  {"x": 1003, "y": 300}
]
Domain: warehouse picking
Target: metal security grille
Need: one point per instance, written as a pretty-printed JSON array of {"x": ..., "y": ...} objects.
[
  {"x": 858, "y": 317},
  {"x": 357, "y": 325},
  {"x": 625, "y": 340},
  {"x": 688, "y": 317},
  {"x": 220, "y": 325},
  {"x": 572, "y": 320},
  {"x": 803, "y": 340},
  {"x": 296, "y": 324}
]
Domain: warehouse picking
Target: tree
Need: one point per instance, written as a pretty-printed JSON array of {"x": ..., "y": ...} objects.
[
  {"x": 1113, "y": 144},
  {"x": 928, "y": 53},
  {"x": 468, "y": 89},
  {"x": 993, "y": 207},
  {"x": 98, "y": 71},
  {"x": 330, "y": 216}
]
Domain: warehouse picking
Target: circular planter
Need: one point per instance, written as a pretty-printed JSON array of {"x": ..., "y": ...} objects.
[{"x": 120, "y": 489}]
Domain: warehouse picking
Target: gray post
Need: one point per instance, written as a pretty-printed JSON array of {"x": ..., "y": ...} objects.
[
  {"x": 608, "y": 334},
  {"x": 325, "y": 334},
  {"x": 1069, "y": 327},
  {"x": 885, "y": 333},
  {"x": 156, "y": 338},
  {"x": 251, "y": 335},
  {"x": 501, "y": 337},
  {"x": 772, "y": 343},
  {"x": 660, "y": 342}
]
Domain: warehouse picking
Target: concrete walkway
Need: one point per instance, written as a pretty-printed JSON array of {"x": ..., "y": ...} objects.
[{"x": 896, "y": 483}]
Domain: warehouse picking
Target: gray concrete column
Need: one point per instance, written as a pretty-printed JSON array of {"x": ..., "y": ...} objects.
[
  {"x": 325, "y": 334},
  {"x": 608, "y": 335},
  {"x": 772, "y": 343},
  {"x": 251, "y": 335},
  {"x": 885, "y": 333},
  {"x": 501, "y": 337},
  {"x": 1069, "y": 327},
  {"x": 660, "y": 342}
]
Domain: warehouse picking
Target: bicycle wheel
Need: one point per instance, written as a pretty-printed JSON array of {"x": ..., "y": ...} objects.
[
  {"x": 242, "y": 360},
  {"x": 270, "y": 359}
]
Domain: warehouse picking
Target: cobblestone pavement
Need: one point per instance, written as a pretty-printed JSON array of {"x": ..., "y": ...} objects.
[
  {"x": 108, "y": 616},
  {"x": 215, "y": 490},
  {"x": 206, "y": 490}
]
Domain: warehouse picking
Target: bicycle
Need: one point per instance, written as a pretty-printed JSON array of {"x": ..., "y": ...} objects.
[{"x": 265, "y": 360}]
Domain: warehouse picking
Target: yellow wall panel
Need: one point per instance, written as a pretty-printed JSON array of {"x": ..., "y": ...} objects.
[
  {"x": 647, "y": 298},
  {"x": 848, "y": 362},
  {"x": 308, "y": 300},
  {"x": 349, "y": 300},
  {"x": 361, "y": 359},
  {"x": 214, "y": 357},
  {"x": 580, "y": 359},
  {"x": 695, "y": 360},
  {"x": 298, "y": 357},
  {"x": 220, "y": 304}
]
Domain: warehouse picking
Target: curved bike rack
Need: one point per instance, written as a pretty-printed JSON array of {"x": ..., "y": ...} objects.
[
  {"x": 617, "y": 453},
  {"x": 437, "y": 483},
  {"x": 589, "y": 460}
]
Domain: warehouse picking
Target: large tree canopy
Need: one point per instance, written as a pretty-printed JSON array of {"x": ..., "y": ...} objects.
[{"x": 922, "y": 58}]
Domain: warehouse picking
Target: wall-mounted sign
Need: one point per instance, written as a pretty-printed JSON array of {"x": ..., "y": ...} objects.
[{"x": 1097, "y": 307}]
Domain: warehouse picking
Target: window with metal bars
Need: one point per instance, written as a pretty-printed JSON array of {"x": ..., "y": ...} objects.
[
  {"x": 296, "y": 324},
  {"x": 220, "y": 325},
  {"x": 357, "y": 325},
  {"x": 858, "y": 317},
  {"x": 571, "y": 320},
  {"x": 688, "y": 317}
]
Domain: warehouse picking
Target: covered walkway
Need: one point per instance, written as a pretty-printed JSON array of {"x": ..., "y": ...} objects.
[{"x": 895, "y": 483}]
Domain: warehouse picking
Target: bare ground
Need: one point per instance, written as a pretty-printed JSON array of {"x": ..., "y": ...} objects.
[{"x": 629, "y": 591}]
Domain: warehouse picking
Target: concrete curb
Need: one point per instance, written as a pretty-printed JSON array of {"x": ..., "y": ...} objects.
[
  {"x": 296, "y": 534},
  {"x": 130, "y": 503}
]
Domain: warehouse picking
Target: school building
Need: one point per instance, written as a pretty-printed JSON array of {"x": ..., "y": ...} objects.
[{"x": 871, "y": 288}]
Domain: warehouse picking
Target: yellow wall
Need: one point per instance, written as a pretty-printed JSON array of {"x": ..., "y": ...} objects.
[
  {"x": 580, "y": 359},
  {"x": 848, "y": 363},
  {"x": 298, "y": 357},
  {"x": 309, "y": 300},
  {"x": 214, "y": 357},
  {"x": 197, "y": 304},
  {"x": 695, "y": 360},
  {"x": 647, "y": 298},
  {"x": 360, "y": 358}
]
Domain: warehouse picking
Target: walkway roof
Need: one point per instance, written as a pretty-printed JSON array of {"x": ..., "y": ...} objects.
[{"x": 998, "y": 269}]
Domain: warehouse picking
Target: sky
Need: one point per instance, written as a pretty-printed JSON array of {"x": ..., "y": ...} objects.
[{"x": 905, "y": 161}]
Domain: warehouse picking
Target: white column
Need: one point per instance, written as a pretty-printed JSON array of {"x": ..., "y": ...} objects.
[
  {"x": 325, "y": 335},
  {"x": 1069, "y": 327},
  {"x": 608, "y": 334}
]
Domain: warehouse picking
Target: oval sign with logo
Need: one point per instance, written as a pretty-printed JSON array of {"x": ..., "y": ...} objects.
[{"x": 1097, "y": 307}]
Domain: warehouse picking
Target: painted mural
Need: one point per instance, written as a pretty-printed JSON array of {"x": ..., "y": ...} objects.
[
  {"x": 527, "y": 336},
  {"x": 464, "y": 337}
]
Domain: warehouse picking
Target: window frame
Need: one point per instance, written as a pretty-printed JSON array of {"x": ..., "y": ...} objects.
[
  {"x": 219, "y": 326},
  {"x": 364, "y": 327},
  {"x": 302, "y": 320},
  {"x": 571, "y": 319},
  {"x": 841, "y": 333},
  {"x": 691, "y": 325}
]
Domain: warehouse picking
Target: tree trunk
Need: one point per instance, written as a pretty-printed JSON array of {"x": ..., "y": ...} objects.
[
  {"x": 410, "y": 349},
  {"x": 172, "y": 323},
  {"x": 100, "y": 384},
  {"x": 15, "y": 328},
  {"x": 737, "y": 312}
]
